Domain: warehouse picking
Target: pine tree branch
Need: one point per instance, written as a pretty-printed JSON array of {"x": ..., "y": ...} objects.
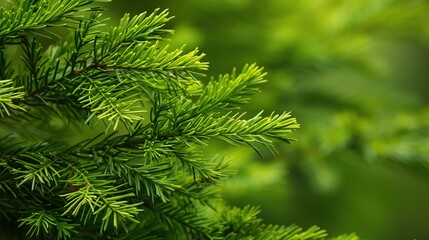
[
  {"x": 150, "y": 165},
  {"x": 37, "y": 15},
  {"x": 140, "y": 28},
  {"x": 179, "y": 218},
  {"x": 98, "y": 200},
  {"x": 8, "y": 96},
  {"x": 44, "y": 223},
  {"x": 145, "y": 148},
  {"x": 237, "y": 131},
  {"x": 230, "y": 91},
  {"x": 156, "y": 67},
  {"x": 243, "y": 223},
  {"x": 154, "y": 179},
  {"x": 37, "y": 169},
  {"x": 116, "y": 102},
  {"x": 86, "y": 189},
  {"x": 123, "y": 107}
]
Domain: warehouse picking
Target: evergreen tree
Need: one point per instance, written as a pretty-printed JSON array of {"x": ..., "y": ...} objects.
[{"x": 103, "y": 133}]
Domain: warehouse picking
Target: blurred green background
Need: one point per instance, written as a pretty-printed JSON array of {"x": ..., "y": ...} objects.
[{"x": 355, "y": 74}]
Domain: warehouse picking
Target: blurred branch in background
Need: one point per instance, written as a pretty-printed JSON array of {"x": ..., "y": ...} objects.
[{"x": 355, "y": 75}]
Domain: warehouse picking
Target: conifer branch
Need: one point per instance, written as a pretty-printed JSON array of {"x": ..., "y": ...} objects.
[
  {"x": 243, "y": 223},
  {"x": 114, "y": 101},
  {"x": 231, "y": 91},
  {"x": 156, "y": 181},
  {"x": 140, "y": 28},
  {"x": 179, "y": 219},
  {"x": 8, "y": 96},
  {"x": 30, "y": 15},
  {"x": 48, "y": 224},
  {"x": 237, "y": 131}
]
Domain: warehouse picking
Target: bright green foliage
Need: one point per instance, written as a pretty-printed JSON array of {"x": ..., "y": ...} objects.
[
  {"x": 142, "y": 174},
  {"x": 8, "y": 95},
  {"x": 27, "y": 16}
]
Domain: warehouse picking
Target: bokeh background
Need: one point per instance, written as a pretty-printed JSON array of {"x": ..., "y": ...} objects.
[{"x": 355, "y": 74}]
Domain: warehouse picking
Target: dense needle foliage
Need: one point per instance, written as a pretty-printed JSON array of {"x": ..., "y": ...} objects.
[{"x": 102, "y": 133}]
